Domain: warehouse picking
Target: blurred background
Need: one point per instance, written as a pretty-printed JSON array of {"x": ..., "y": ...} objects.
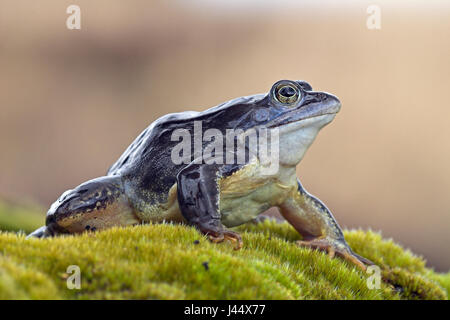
[{"x": 71, "y": 101}]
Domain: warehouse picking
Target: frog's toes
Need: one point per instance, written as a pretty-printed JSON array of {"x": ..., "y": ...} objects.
[
  {"x": 333, "y": 248},
  {"x": 220, "y": 236},
  {"x": 42, "y": 232},
  {"x": 234, "y": 237}
]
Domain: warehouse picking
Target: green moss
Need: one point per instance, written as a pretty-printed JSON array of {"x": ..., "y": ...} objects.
[
  {"x": 19, "y": 282},
  {"x": 442, "y": 279},
  {"x": 164, "y": 262},
  {"x": 24, "y": 218}
]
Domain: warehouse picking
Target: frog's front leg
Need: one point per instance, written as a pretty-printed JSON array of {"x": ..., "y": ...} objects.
[
  {"x": 312, "y": 219},
  {"x": 198, "y": 198}
]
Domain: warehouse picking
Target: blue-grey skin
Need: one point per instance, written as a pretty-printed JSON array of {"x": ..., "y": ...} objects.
[{"x": 145, "y": 185}]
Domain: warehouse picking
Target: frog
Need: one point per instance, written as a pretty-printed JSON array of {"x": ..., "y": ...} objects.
[{"x": 147, "y": 184}]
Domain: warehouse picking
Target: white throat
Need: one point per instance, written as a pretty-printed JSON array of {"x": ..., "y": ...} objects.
[{"x": 295, "y": 138}]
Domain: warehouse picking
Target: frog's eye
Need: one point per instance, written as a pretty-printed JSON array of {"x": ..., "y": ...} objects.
[{"x": 287, "y": 93}]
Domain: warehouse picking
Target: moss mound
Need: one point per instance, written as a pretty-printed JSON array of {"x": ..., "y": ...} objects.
[{"x": 176, "y": 262}]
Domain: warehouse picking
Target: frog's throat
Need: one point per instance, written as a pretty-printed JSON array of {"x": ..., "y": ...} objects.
[{"x": 295, "y": 138}]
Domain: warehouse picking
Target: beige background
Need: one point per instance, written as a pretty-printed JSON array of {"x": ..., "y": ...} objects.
[{"x": 72, "y": 101}]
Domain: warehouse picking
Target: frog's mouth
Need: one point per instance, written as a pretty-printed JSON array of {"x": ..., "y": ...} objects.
[{"x": 329, "y": 105}]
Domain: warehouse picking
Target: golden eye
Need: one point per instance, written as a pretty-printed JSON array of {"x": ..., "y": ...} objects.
[{"x": 287, "y": 94}]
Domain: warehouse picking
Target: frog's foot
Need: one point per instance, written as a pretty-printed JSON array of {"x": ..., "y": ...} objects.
[
  {"x": 222, "y": 235},
  {"x": 333, "y": 248},
  {"x": 42, "y": 232},
  {"x": 50, "y": 230}
]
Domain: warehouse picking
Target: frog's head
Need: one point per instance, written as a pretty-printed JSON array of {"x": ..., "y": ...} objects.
[
  {"x": 296, "y": 111},
  {"x": 296, "y": 103},
  {"x": 302, "y": 113}
]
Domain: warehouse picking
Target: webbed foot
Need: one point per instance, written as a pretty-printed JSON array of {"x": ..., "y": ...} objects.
[
  {"x": 222, "y": 235},
  {"x": 333, "y": 248}
]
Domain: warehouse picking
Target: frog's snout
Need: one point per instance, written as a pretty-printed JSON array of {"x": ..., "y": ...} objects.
[{"x": 331, "y": 103}]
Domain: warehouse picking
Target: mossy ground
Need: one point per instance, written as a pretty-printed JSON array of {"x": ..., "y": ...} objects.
[{"x": 176, "y": 262}]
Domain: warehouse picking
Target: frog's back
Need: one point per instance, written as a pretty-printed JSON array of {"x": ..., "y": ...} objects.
[
  {"x": 146, "y": 166},
  {"x": 152, "y": 145},
  {"x": 152, "y": 148}
]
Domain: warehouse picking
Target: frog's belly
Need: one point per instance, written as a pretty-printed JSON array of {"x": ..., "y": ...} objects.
[
  {"x": 238, "y": 205},
  {"x": 237, "y": 211}
]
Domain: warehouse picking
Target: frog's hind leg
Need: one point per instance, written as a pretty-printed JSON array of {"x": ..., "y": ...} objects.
[
  {"x": 336, "y": 248},
  {"x": 312, "y": 219},
  {"x": 94, "y": 205}
]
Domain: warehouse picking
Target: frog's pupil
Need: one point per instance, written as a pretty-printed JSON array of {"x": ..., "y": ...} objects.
[{"x": 287, "y": 91}]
